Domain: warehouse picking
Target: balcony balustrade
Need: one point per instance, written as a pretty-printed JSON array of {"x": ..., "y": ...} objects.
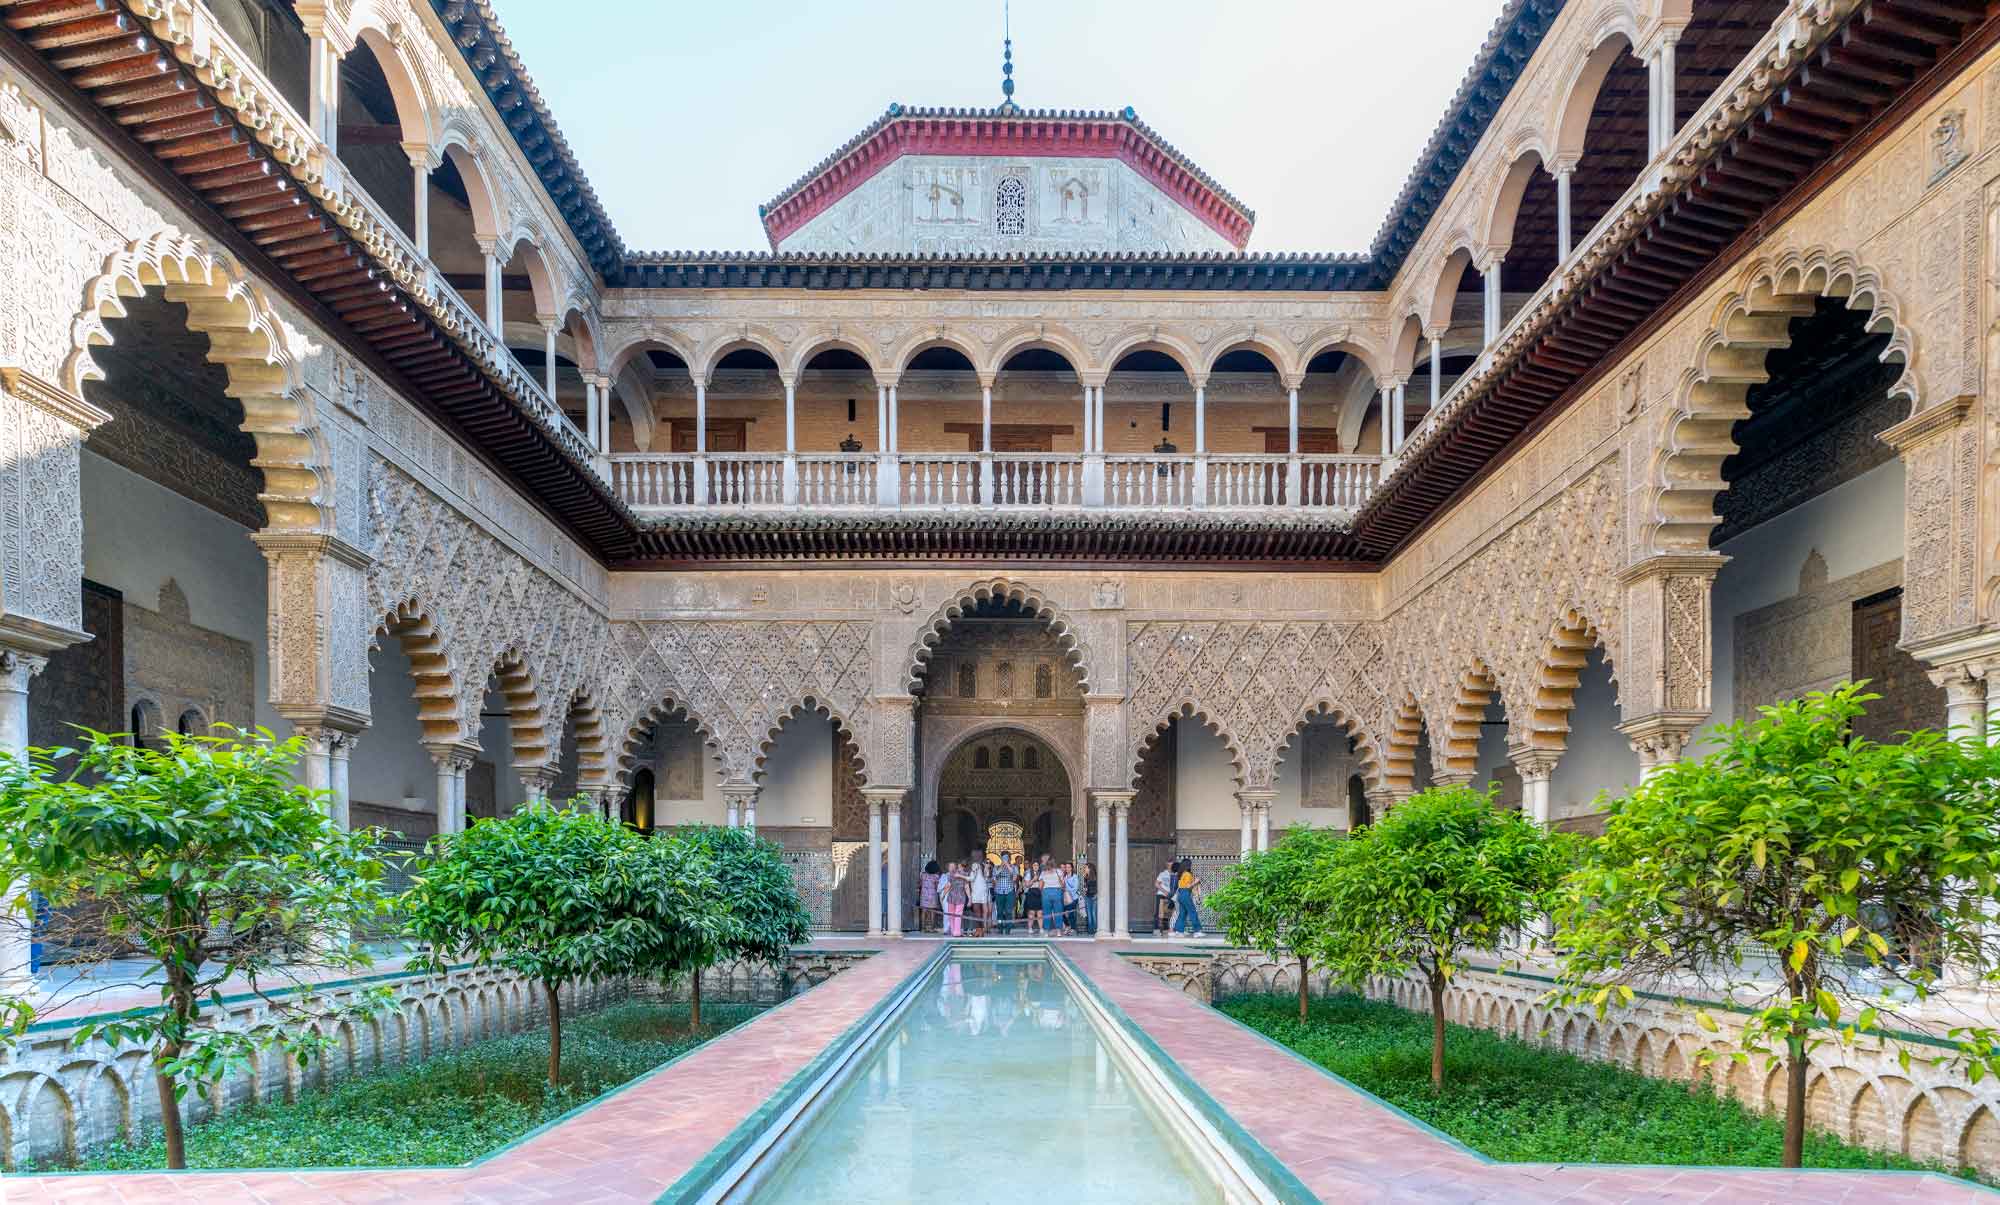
[{"x": 663, "y": 483}]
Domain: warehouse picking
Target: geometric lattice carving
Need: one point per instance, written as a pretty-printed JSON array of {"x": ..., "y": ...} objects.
[{"x": 740, "y": 681}]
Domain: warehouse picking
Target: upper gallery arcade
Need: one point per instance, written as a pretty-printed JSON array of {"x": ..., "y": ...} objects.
[{"x": 333, "y": 401}]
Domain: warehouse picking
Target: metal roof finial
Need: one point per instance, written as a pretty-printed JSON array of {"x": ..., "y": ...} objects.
[{"x": 1007, "y": 58}]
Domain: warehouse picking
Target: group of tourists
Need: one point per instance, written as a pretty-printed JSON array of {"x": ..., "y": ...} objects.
[{"x": 983, "y": 895}]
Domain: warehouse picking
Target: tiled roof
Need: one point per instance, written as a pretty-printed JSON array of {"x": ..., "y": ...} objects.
[
  {"x": 1494, "y": 69},
  {"x": 476, "y": 30},
  {"x": 1008, "y": 113},
  {"x": 1274, "y": 271}
]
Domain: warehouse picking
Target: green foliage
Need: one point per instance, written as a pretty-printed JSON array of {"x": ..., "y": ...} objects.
[
  {"x": 1768, "y": 869},
  {"x": 1515, "y": 1102},
  {"x": 449, "y": 1110},
  {"x": 1272, "y": 902},
  {"x": 1439, "y": 876},
  {"x": 756, "y": 887},
  {"x": 561, "y": 895},
  {"x": 205, "y": 854}
]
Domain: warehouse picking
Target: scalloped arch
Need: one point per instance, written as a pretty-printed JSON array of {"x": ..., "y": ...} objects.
[
  {"x": 247, "y": 339},
  {"x": 1373, "y": 762},
  {"x": 1697, "y": 431},
  {"x": 812, "y": 705},
  {"x": 1186, "y": 709},
  {"x": 668, "y": 708},
  {"x": 416, "y": 628},
  {"x": 1069, "y": 636}
]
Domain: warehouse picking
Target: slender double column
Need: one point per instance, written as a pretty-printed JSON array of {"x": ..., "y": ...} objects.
[{"x": 885, "y": 860}]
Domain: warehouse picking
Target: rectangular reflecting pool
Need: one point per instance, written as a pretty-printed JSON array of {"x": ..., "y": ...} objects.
[{"x": 996, "y": 1078}]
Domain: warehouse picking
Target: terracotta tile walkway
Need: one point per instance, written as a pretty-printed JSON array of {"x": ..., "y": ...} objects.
[
  {"x": 1347, "y": 1147},
  {"x": 1343, "y": 1145}
]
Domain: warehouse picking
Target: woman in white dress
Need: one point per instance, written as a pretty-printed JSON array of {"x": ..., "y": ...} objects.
[{"x": 981, "y": 898}]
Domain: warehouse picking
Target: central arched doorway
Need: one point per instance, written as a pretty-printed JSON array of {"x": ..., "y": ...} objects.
[
  {"x": 1001, "y": 684},
  {"x": 1005, "y": 787}
]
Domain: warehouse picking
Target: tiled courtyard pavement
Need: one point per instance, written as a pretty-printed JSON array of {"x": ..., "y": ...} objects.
[{"x": 1343, "y": 1145}]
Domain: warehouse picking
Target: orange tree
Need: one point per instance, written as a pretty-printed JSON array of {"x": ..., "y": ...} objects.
[
  {"x": 1270, "y": 902},
  {"x": 1768, "y": 872},
  {"x": 1439, "y": 878},
  {"x": 204, "y": 855},
  {"x": 563, "y": 896}
]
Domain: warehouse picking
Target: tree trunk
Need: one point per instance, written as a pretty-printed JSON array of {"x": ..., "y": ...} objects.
[
  {"x": 1796, "y": 1066},
  {"x": 170, "y": 1107},
  {"x": 1437, "y": 1033},
  {"x": 555, "y": 1033},
  {"x": 694, "y": 1002},
  {"x": 1302, "y": 988}
]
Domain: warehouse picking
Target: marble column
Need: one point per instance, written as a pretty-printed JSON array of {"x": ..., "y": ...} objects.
[
  {"x": 1248, "y": 836},
  {"x": 1264, "y": 826},
  {"x": 339, "y": 749},
  {"x": 1106, "y": 884},
  {"x": 1564, "y": 173},
  {"x": 739, "y": 802},
  {"x": 874, "y": 865},
  {"x": 1494, "y": 319},
  {"x": 1437, "y": 370},
  {"x": 1121, "y": 867},
  {"x": 1386, "y": 396},
  {"x": 421, "y": 165},
  {"x": 1396, "y": 442},
  {"x": 17, "y": 670},
  {"x": 1659, "y": 740},
  {"x": 893, "y": 903},
  {"x": 1537, "y": 768},
  {"x": 1964, "y": 699}
]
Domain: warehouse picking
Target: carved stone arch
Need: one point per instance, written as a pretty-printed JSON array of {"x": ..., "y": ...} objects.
[
  {"x": 811, "y": 344},
  {"x": 637, "y": 346},
  {"x": 1452, "y": 267},
  {"x": 1145, "y": 736},
  {"x": 1407, "y": 724},
  {"x": 459, "y": 140},
  {"x": 1406, "y": 340},
  {"x": 1372, "y": 359},
  {"x": 1558, "y": 671},
  {"x": 1268, "y": 344},
  {"x": 410, "y": 89},
  {"x": 1151, "y": 338},
  {"x": 1697, "y": 430},
  {"x": 752, "y": 338},
  {"x": 586, "y": 333},
  {"x": 1505, "y": 209},
  {"x": 417, "y": 629},
  {"x": 529, "y": 242},
  {"x": 1615, "y": 33},
  {"x": 1367, "y": 744},
  {"x": 802, "y": 706},
  {"x": 898, "y": 358},
  {"x": 527, "y": 714},
  {"x": 1457, "y": 752},
  {"x": 593, "y": 739},
  {"x": 667, "y": 708},
  {"x": 1041, "y": 335},
  {"x": 1068, "y": 633},
  {"x": 1057, "y": 733},
  {"x": 248, "y": 340}
]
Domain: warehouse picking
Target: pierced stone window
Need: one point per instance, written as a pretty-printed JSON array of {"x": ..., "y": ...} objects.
[
  {"x": 1045, "y": 682},
  {"x": 1031, "y": 758},
  {"x": 968, "y": 680},
  {"x": 1006, "y": 757},
  {"x": 1005, "y": 675},
  {"x": 1010, "y": 207},
  {"x": 982, "y": 758}
]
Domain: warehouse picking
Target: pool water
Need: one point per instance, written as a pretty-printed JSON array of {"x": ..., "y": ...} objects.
[{"x": 993, "y": 1086}]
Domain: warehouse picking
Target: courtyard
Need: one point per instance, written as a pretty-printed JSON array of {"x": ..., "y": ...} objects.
[{"x": 1013, "y": 682}]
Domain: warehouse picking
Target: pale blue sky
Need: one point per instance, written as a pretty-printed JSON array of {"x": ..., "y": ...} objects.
[{"x": 687, "y": 116}]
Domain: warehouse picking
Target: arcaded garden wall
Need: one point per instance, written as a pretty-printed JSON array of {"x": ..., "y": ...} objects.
[{"x": 1861, "y": 1094}]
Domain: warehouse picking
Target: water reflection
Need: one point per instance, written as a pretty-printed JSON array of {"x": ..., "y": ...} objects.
[{"x": 993, "y": 1086}]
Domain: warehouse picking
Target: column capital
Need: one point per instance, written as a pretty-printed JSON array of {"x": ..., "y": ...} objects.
[
  {"x": 1113, "y": 798},
  {"x": 17, "y": 668},
  {"x": 1534, "y": 764},
  {"x": 488, "y": 244},
  {"x": 888, "y": 380},
  {"x": 1257, "y": 798},
  {"x": 422, "y": 156},
  {"x": 539, "y": 781},
  {"x": 1971, "y": 654},
  {"x": 1659, "y": 738},
  {"x": 1462, "y": 778},
  {"x": 1094, "y": 380},
  {"x": 456, "y": 757},
  {"x": 882, "y": 798},
  {"x": 740, "y": 791}
]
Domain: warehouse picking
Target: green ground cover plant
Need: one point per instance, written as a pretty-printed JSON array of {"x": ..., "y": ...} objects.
[
  {"x": 1516, "y": 1102},
  {"x": 449, "y": 1110}
]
